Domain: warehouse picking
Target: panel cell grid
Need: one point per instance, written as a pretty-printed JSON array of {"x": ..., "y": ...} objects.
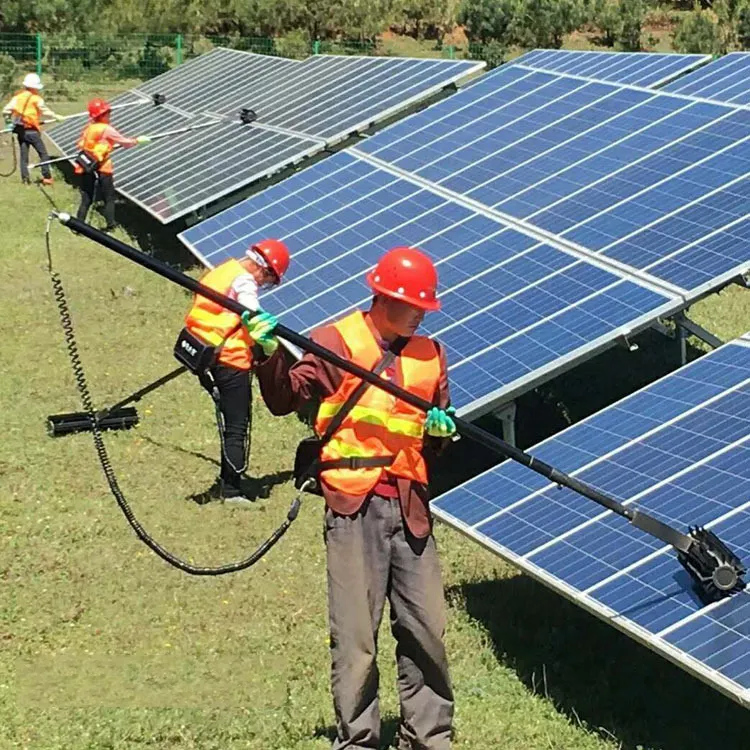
[{"x": 679, "y": 450}]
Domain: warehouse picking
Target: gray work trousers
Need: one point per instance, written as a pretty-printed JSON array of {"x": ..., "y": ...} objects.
[
  {"x": 30, "y": 137},
  {"x": 371, "y": 555}
]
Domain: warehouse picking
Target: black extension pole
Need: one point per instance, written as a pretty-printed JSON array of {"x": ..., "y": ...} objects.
[{"x": 683, "y": 543}]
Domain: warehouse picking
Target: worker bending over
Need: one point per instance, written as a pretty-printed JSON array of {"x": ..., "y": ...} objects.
[
  {"x": 96, "y": 143},
  {"x": 24, "y": 113},
  {"x": 228, "y": 378},
  {"x": 378, "y": 526}
]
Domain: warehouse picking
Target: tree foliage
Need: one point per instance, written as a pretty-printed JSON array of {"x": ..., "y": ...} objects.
[
  {"x": 620, "y": 22},
  {"x": 487, "y": 20},
  {"x": 525, "y": 23},
  {"x": 711, "y": 26},
  {"x": 698, "y": 33},
  {"x": 631, "y": 16}
]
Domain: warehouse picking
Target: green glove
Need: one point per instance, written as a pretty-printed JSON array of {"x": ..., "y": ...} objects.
[
  {"x": 260, "y": 329},
  {"x": 142, "y": 140},
  {"x": 439, "y": 423}
]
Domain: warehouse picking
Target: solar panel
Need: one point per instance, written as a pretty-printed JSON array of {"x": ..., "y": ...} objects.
[
  {"x": 678, "y": 449},
  {"x": 513, "y": 308},
  {"x": 652, "y": 180},
  {"x": 347, "y": 94},
  {"x": 178, "y": 175},
  {"x": 635, "y": 68},
  {"x": 726, "y": 80},
  {"x": 220, "y": 75},
  {"x": 636, "y": 215},
  {"x": 301, "y": 107},
  {"x": 139, "y": 119}
]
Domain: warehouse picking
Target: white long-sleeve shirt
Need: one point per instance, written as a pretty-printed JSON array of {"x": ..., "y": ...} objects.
[{"x": 245, "y": 291}]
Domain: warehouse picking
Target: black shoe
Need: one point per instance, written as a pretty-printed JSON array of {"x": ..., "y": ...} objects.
[
  {"x": 254, "y": 488},
  {"x": 223, "y": 493}
]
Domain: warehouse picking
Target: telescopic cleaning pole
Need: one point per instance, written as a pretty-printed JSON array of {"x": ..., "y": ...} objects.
[{"x": 715, "y": 570}]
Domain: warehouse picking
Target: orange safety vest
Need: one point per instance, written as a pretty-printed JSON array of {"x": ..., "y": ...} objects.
[
  {"x": 26, "y": 110},
  {"x": 92, "y": 141},
  {"x": 379, "y": 424},
  {"x": 213, "y": 323}
]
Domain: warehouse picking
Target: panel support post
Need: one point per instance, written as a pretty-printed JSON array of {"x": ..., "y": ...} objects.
[
  {"x": 507, "y": 416},
  {"x": 685, "y": 327}
]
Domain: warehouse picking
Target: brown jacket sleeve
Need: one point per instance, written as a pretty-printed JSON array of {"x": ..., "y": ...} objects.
[{"x": 286, "y": 386}]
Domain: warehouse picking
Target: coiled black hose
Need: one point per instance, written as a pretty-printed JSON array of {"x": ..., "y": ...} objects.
[{"x": 106, "y": 464}]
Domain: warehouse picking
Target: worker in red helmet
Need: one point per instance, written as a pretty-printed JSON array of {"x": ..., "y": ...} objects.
[
  {"x": 228, "y": 378},
  {"x": 94, "y": 163},
  {"x": 23, "y": 114},
  {"x": 373, "y": 476}
]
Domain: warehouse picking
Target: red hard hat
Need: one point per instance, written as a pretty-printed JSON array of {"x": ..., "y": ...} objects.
[
  {"x": 276, "y": 255},
  {"x": 97, "y": 108},
  {"x": 408, "y": 275}
]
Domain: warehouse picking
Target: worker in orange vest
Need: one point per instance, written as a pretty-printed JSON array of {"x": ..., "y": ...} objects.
[
  {"x": 228, "y": 379},
  {"x": 24, "y": 112},
  {"x": 374, "y": 478},
  {"x": 96, "y": 143}
]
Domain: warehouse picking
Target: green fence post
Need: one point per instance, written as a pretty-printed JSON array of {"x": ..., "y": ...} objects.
[
  {"x": 38, "y": 54},
  {"x": 178, "y": 45},
  {"x": 316, "y": 47},
  {"x": 451, "y": 52}
]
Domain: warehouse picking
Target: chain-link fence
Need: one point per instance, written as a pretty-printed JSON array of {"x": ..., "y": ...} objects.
[{"x": 71, "y": 60}]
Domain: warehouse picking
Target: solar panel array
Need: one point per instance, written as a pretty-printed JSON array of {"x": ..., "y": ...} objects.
[
  {"x": 725, "y": 80},
  {"x": 633, "y": 68},
  {"x": 562, "y": 214},
  {"x": 678, "y": 449},
  {"x": 301, "y": 107}
]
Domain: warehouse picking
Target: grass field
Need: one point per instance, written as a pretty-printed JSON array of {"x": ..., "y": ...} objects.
[{"x": 102, "y": 645}]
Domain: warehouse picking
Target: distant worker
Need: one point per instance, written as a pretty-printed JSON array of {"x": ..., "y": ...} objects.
[
  {"x": 373, "y": 475},
  {"x": 97, "y": 141},
  {"x": 24, "y": 112},
  {"x": 228, "y": 378}
]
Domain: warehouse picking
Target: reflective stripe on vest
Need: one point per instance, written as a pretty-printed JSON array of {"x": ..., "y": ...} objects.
[
  {"x": 26, "y": 109},
  {"x": 379, "y": 424},
  {"x": 212, "y": 323},
  {"x": 92, "y": 141}
]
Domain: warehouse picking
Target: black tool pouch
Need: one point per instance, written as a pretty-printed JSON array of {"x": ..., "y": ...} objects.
[
  {"x": 194, "y": 353},
  {"x": 306, "y": 465},
  {"x": 86, "y": 161}
]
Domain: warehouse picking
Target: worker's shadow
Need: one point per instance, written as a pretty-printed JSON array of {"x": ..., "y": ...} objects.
[
  {"x": 388, "y": 729},
  {"x": 596, "y": 675},
  {"x": 256, "y": 485},
  {"x": 156, "y": 239}
]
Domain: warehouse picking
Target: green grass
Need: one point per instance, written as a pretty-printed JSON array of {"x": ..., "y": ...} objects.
[{"x": 102, "y": 645}]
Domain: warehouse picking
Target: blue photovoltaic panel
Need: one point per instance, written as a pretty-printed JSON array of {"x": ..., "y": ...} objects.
[
  {"x": 331, "y": 96},
  {"x": 131, "y": 114},
  {"x": 680, "y": 450},
  {"x": 325, "y": 96},
  {"x": 301, "y": 107},
  {"x": 539, "y": 136},
  {"x": 221, "y": 76},
  {"x": 725, "y": 80},
  {"x": 654, "y": 181},
  {"x": 622, "y": 183},
  {"x": 511, "y": 306},
  {"x": 173, "y": 176},
  {"x": 633, "y": 68}
]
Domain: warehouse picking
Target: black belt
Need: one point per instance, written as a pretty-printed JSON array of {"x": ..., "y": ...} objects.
[{"x": 356, "y": 462}]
